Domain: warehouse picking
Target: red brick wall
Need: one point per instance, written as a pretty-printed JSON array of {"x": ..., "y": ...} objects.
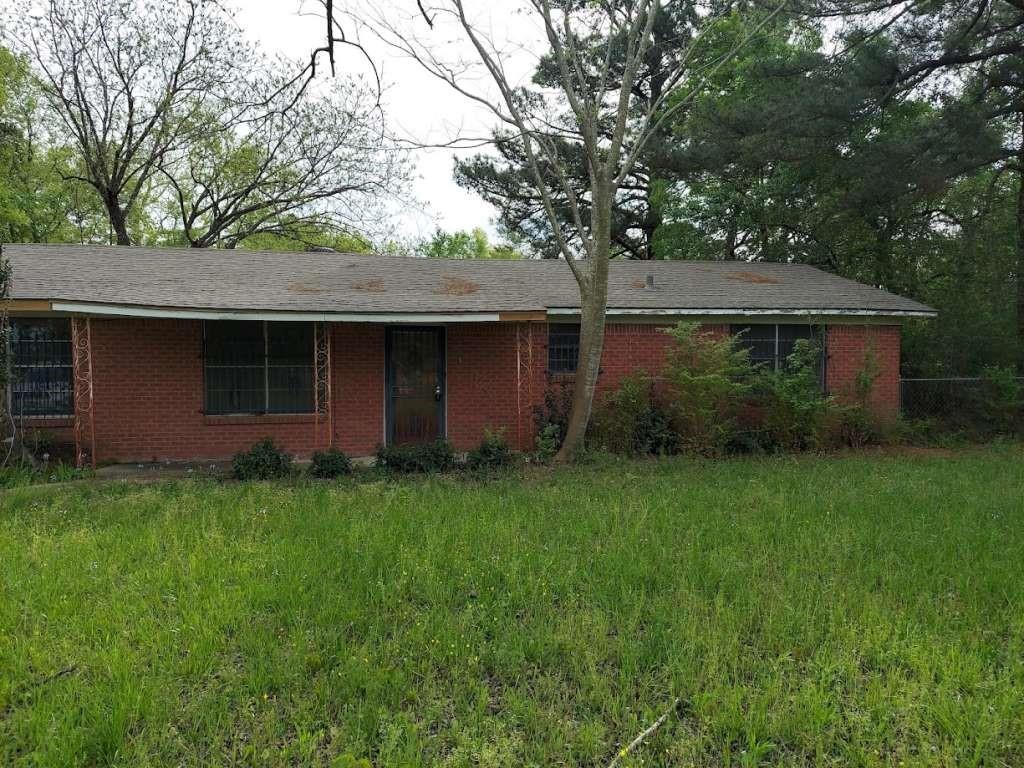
[
  {"x": 629, "y": 348},
  {"x": 849, "y": 347},
  {"x": 357, "y": 387},
  {"x": 148, "y": 379},
  {"x": 148, "y": 391},
  {"x": 492, "y": 383},
  {"x": 148, "y": 383}
]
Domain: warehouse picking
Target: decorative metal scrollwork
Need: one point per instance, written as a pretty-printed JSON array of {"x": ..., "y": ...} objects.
[
  {"x": 85, "y": 416},
  {"x": 323, "y": 422}
]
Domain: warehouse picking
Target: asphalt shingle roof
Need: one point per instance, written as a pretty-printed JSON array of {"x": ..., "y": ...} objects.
[{"x": 343, "y": 282}]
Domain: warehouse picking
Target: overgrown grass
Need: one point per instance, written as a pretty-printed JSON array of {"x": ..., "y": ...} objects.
[
  {"x": 860, "y": 610},
  {"x": 13, "y": 476}
]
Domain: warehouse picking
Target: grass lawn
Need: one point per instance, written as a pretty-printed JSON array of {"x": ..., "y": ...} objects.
[{"x": 858, "y": 610}]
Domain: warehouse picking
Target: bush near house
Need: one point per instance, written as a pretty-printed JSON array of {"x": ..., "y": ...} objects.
[
  {"x": 492, "y": 454},
  {"x": 264, "y": 461},
  {"x": 711, "y": 401},
  {"x": 1002, "y": 401},
  {"x": 329, "y": 464},
  {"x": 707, "y": 379},
  {"x": 551, "y": 418},
  {"x": 633, "y": 420},
  {"x": 437, "y": 456}
]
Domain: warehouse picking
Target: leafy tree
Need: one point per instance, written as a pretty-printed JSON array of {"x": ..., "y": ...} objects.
[
  {"x": 968, "y": 55},
  {"x": 189, "y": 135},
  {"x": 286, "y": 164},
  {"x": 307, "y": 237},
  {"x": 790, "y": 158},
  {"x": 786, "y": 160},
  {"x": 126, "y": 80},
  {"x": 965, "y": 269},
  {"x": 36, "y": 204},
  {"x": 507, "y": 182},
  {"x": 464, "y": 245}
]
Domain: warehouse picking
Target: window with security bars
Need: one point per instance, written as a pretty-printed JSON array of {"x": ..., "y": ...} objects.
[
  {"x": 563, "y": 347},
  {"x": 257, "y": 367},
  {"x": 771, "y": 345},
  {"x": 42, "y": 378}
]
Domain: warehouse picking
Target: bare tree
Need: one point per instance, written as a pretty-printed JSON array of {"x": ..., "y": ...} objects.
[
  {"x": 286, "y": 163},
  {"x": 126, "y": 78},
  {"x": 593, "y": 105}
]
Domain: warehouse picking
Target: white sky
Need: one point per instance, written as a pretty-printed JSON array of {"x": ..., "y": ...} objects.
[{"x": 416, "y": 104}]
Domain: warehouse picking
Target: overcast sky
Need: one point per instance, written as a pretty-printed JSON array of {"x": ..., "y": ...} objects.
[{"x": 416, "y": 104}]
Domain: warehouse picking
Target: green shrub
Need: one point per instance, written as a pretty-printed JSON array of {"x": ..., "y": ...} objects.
[
  {"x": 632, "y": 421},
  {"x": 707, "y": 379},
  {"x": 437, "y": 456},
  {"x": 492, "y": 453},
  {"x": 1001, "y": 402},
  {"x": 330, "y": 464},
  {"x": 264, "y": 461},
  {"x": 549, "y": 440},
  {"x": 794, "y": 406},
  {"x": 554, "y": 412},
  {"x": 852, "y": 426}
]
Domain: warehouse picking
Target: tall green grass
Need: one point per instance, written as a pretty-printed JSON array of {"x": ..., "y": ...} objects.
[{"x": 866, "y": 610}]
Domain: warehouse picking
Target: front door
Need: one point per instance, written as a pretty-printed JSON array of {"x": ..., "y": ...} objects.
[{"x": 415, "y": 385}]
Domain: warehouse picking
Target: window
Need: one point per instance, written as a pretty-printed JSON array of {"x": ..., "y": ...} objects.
[
  {"x": 258, "y": 367},
  {"x": 42, "y": 382},
  {"x": 771, "y": 345},
  {"x": 563, "y": 347}
]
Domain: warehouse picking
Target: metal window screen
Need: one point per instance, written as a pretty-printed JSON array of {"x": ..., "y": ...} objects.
[
  {"x": 790, "y": 334},
  {"x": 759, "y": 341},
  {"x": 771, "y": 345},
  {"x": 42, "y": 377},
  {"x": 290, "y": 367},
  {"x": 563, "y": 347},
  {"x": 258, "y": 367}
]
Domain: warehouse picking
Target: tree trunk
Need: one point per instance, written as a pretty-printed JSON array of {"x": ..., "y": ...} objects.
[
  {"x": 593, "y": 305},
  {"x": 118, "y": 221}
]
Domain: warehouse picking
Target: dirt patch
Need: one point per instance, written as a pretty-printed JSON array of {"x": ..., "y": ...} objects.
[
  {"x": 456, "y": 286},
  {"x": 160, "y": 471},
  {"x": 753, "y": 277},
  {"x": 375, "y": 285},
  {"x": 307, "y": 288}
]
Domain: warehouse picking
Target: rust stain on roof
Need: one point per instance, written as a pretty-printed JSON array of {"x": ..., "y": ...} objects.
[
  {"x": 373, "y": 285},
  {"x": 753, "y": 277},
  {"x": 457, "y": 286},
  {"x": 298, "y": 286}
]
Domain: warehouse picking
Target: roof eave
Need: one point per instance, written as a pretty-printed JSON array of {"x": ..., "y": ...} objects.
[
  {"x": 747, "y": 311},
  {"x": 191, "y": 313}
]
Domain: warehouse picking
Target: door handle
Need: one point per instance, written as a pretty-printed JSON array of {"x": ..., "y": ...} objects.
[{"x": 437, "y": 393}]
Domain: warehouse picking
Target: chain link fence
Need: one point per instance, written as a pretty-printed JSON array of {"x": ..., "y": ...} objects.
[{"x": 965, "y": 404}]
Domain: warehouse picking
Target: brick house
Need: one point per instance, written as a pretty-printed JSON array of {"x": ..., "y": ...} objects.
[{"x": 138, "y": 354}]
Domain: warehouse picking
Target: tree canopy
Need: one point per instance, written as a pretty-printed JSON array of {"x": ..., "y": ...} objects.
[
  {"x": 878, "y": 141},
  {"x": 174, "y": 127},
  {"x": 883, "y": 141}
]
